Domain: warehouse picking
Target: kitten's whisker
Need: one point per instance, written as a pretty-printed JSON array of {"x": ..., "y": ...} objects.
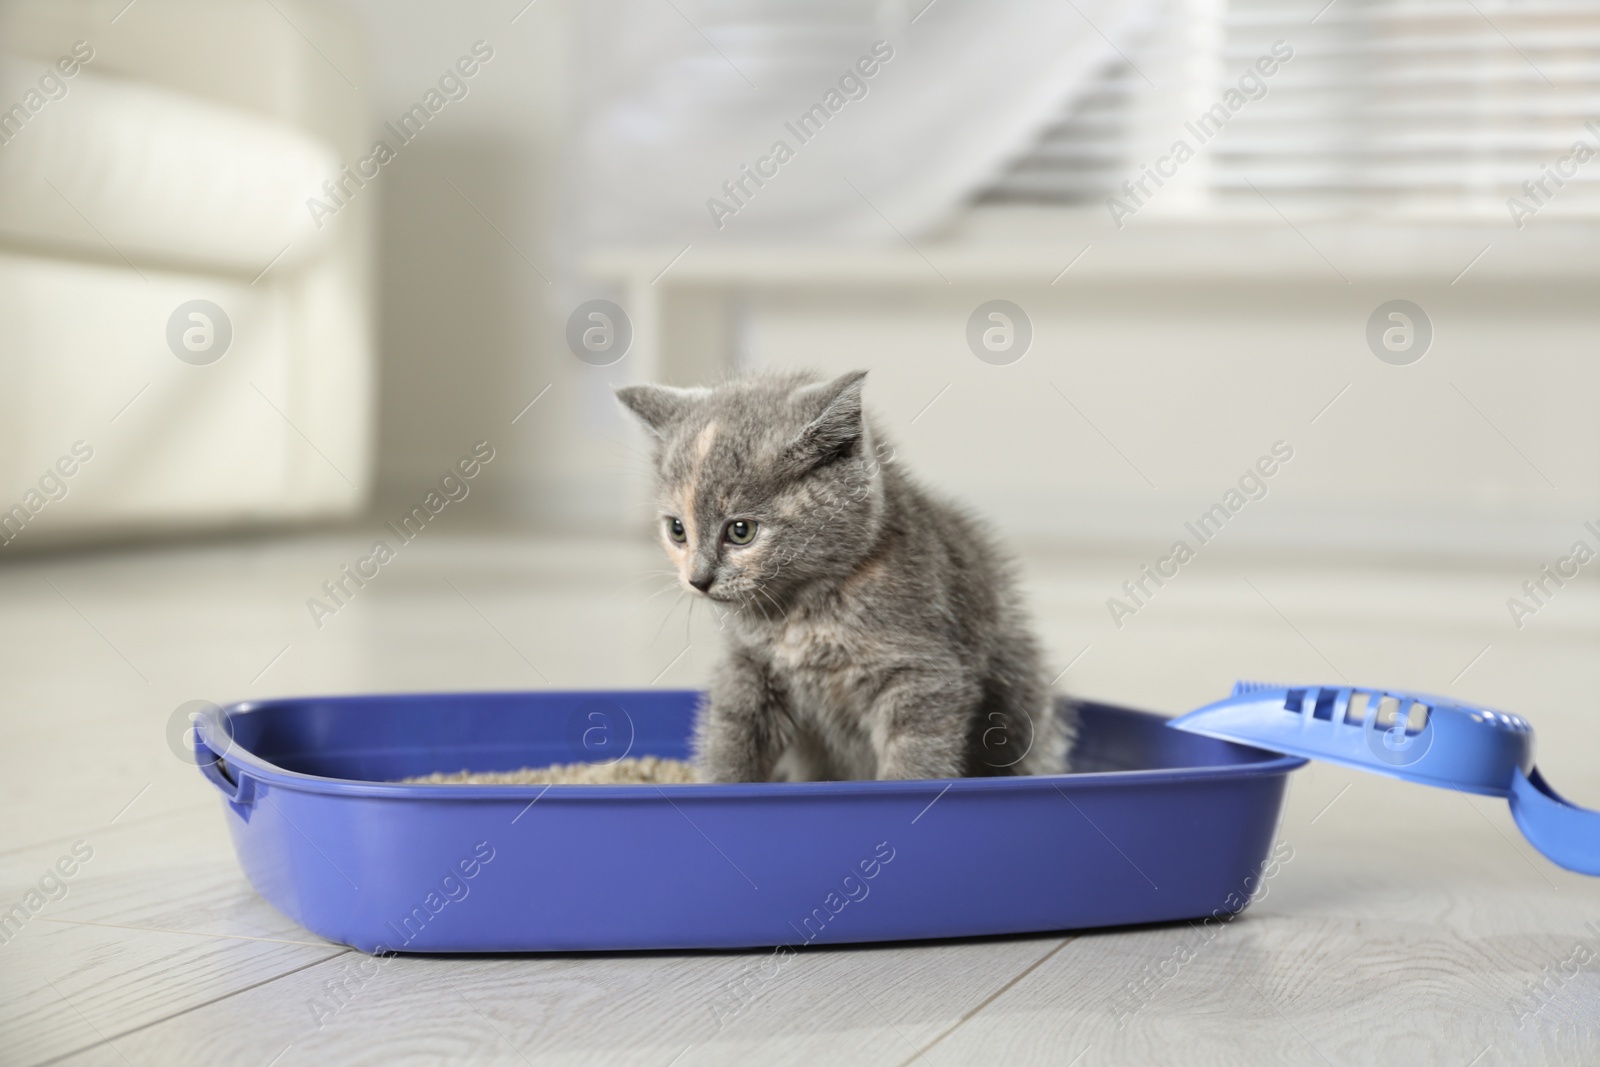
[
  {"x": 626, "y": 447},
  {"x": 668, "y": 617},
  {"x": 631, "y": 582},
  {"x": 782, "y": 613},
  {"x": 664, "y": 589},
  {"x": 616, "y": 594},
  {"x": 641, "y": 468},
  {"x": 753, "y": 602}
]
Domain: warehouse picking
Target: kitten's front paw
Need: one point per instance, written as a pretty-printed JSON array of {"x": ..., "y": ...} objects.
[
  {"x": 905, "y": 761},
  {"x": 719, "y": 773},
  {"x": 723, "y": 751}
]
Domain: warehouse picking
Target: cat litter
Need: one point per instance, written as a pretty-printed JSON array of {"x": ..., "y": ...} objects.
[{"x": 648, "y": 770}]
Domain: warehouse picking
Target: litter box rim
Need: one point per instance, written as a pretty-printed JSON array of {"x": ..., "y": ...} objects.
[{"x": 228, "y": 764}]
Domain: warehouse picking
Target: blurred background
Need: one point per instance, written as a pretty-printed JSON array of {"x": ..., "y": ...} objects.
[
  {"x": 269, "y": 269},
  {"x": 381, "y": 325}
]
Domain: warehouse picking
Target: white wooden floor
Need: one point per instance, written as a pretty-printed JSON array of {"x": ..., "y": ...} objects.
[{"x": 1408, "y": 927}]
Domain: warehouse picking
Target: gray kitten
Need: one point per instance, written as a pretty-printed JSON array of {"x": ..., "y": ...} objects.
[{"x": 875, "y": 631}]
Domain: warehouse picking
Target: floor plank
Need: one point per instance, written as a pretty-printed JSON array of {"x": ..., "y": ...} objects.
[
  {"x": 158, "y": 920},
  {"x": 864, "y": 1006},
  {"x": 1415, "y": 945}
]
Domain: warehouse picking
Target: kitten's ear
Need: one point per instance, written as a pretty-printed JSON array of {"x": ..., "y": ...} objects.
[
  {"x": 839, "y": 426},
  {"x": 659, "y": 406}
]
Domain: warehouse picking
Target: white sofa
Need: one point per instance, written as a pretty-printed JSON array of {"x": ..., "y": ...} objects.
[{"x": 150, "y": 158}]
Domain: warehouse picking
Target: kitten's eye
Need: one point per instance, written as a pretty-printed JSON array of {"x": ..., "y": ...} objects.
[
  {"x": 741, "y": 532},
  {"x": 676, "y": 531}
]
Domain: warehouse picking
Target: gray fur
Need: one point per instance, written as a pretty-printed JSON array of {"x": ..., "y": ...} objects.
[{"x": 875, "y": 632}]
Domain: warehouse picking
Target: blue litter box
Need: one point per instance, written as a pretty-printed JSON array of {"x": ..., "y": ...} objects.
[{"x": 1162, "y": 825}]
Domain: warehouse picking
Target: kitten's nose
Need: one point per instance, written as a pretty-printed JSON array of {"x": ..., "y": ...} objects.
[{"x": 703, "y": 582}]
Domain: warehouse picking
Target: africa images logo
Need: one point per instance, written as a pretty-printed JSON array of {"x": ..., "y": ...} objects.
[
  {"x": 199, "y": 332},
  {"x": 1399, "y": 332}
]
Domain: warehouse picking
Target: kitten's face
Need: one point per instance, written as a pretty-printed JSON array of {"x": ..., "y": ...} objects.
[{"x": 762, "y": 484}]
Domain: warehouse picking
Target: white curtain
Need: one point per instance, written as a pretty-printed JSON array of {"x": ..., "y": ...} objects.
[{"x": 678, "y": 97}]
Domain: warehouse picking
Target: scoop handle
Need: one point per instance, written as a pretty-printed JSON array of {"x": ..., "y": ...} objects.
[{"x": 1569, "y": 836}]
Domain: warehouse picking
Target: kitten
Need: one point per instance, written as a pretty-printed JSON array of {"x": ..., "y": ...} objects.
[{"x": 875, "y": 632}]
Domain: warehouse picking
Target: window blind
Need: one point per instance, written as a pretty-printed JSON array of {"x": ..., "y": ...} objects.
[{"x": 1389, "y": 108}]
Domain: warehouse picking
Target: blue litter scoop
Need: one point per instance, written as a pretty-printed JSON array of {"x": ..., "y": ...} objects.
[{"x": 1415, "y": 737}]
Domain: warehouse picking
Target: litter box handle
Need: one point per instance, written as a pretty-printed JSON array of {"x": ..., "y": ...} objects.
[
  {"x": 1567, "y": 834},
  {"x": 238, "y": 793}
]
